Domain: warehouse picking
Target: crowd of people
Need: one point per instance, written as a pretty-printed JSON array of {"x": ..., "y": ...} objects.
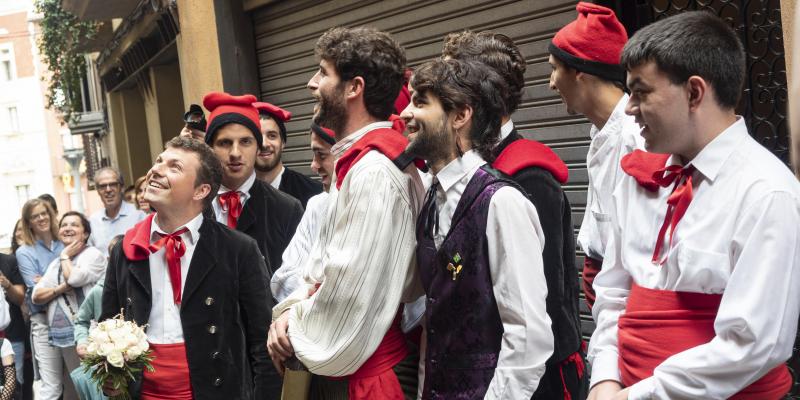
[{"x": 435, "y": 256}]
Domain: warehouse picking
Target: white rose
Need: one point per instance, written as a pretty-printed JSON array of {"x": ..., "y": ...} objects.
[
  {"x": 105, "y": 349},
  {"x": 133, "y": 352},
  {"x": 117, "y": 336},
  {"x": 116, "y": 359},
  {"x": 131, "y": 339},
  {"x": 91, "y": 348},
  {"x": 144, "y": 345},
  {"x": 99, "y": 336}
]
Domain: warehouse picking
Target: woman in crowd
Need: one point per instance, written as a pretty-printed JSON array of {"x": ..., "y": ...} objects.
[
  {"x": 63, "y": 288},
  {"x": 141, "y": 203},
  {"x": 16, "y": 238}
]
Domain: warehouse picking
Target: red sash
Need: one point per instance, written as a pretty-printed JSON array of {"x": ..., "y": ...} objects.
[
  {"x": 660, "y": 323},
  {"x": 376, "y": 380},
  {"x": 591, "y": 267},
  {"x": 170, "y": 380}
]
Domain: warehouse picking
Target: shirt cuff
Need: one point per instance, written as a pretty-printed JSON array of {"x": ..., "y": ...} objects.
[
  {"x": 605, "y": 367},
  {"x": 642, "y": 390}
]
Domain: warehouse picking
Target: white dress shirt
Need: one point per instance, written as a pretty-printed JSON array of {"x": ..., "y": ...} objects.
[
  {"x": 104, "y": 228},
  {"x": 276, "y": 183},
  {"x": 619, "y": 136},
  {"x": 515, "y": 241},
  {"x": 164, "y": 325},
  {"x": 506, "y": 129},
  {"x": 289, "y": 276},
  {"x": 364, "y": 259},
  {"x": 220, "y": 213},
  {"x": 739, "y": 238}
]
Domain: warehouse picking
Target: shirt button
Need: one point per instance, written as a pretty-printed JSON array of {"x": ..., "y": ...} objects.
[
  {"x": 209, "y": 301},
  {"x": 218, "y": 382},
  {"x": 431, "y": 300},
  {"x": 129, "y": 301},
  {"x": 212, "y": 329},
  {"x": 215, "y": 355}
]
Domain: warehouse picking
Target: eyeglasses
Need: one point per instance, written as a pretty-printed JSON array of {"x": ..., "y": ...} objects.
[
  {"x": 41, "y": 215},
  {"x": 107, "y": 186}
]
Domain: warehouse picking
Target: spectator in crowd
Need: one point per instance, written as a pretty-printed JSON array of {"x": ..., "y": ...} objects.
[
  {"x": 27, "y": 365},
  {"x": 195, "y": 123},
  {"x": 89, "y": 313},
  {"x": 9, "y": 383},
  {"x": 289, "y": 276},
  {"x": 117, "y": 216},
  {"x": 130, "y": 194},
  {"x": 269, "y": 166},
  {"x": 17, "y": 331},
  {"x": 62, "y": 289},
  {"x": 50, "y": 200},
  {"x": 16, "y": 238},
  {"x": 140, "y": 202}
]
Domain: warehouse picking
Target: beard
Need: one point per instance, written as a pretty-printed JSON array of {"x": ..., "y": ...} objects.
[
  {"x": 332, "y": 112},
  {"x": 267, "y": 165},
  {"x": 431, "y": 143}
]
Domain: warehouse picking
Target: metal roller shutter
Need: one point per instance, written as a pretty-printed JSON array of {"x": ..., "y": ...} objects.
[{"x": 285, "y": 33}]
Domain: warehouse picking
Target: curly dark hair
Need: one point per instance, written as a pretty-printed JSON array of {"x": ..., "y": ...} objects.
[
  {"x": 210, "y": 171},
  {"x": 459, "y": 83},
  {"x": 370, "y": 54},
  {"x": 495, "y": 50}
]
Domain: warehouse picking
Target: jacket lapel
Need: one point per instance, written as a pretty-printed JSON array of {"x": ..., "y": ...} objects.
[
  {"x": 203, "y": 259},
  {"x": 140, "y": 270},
  {"x": 252, "y": 209}
]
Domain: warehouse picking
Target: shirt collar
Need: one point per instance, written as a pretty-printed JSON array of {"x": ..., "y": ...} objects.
[
  {"x": 616, "y": 119},
  {"x": 244, "y": 189},
  {"x": 342, "y": 145},
  {"x": 124, "y": 210},
  {"x": 506, "y": 129},
  {"x": 710, "y": 159},
  {"x": 193, "y": 225},
  {"x": 457, "y": 169},
  {"x": 277, "y": 181}
]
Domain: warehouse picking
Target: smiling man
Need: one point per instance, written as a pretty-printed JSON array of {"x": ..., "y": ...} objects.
[
  {"x": 197, "y": 286},
  {"x": 344, "y": 321},
  {"x": 117, "y": 216},
  {"x": 697, "y": 296},
  {"x": 487, "y": 332},
  {"x": 269, "y": 164}
]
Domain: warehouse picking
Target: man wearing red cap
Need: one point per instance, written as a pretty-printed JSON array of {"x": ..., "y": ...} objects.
[
  {"x": 362, "y": 263},
  {"x": 197, "y": 286},
  {"x": 539, "y": 171},
  {"x": 289, "y": 276},
  {"x": 697, "y": 296},
  {"x": 269, "y": 166},
  {"x": 586, "y": 73},
  {"x": 244, "y": 203}
]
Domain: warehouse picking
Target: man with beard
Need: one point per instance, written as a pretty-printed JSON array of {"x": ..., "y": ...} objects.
[
  {"x": 197, "y": 286},
  {"x": 116, "y": 216},
  {"x": 345, "y": 320},
  {"x": 487, "y": 332},
  {"x": 540, "y": 172},
  {"x": 290, "y": 275},
  {"x": 697, "y": 298},
  {"x": 269, "y": 167},
  {"x": 589, "y": 80},
  {"x": 244, "y": 203}
]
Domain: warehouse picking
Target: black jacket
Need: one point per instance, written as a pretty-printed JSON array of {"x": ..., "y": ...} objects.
[
  {"x": 270, "y": 217},
  {"x": 225, "y": 313},
  {"x": 560, "y": 271},
  {"x": 299, "y": 186}
]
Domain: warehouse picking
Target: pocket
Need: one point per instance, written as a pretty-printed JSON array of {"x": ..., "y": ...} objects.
[{"x": 696, "y": 265}]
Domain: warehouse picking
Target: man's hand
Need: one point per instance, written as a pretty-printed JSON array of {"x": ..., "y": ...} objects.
[
  {"x": 622, "y": 394},
  {"x": 607, "y": 390},
  {"x": 278, "y": 343},
  {"x": 81, "y": 350}
]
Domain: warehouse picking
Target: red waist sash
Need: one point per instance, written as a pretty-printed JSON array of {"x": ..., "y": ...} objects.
[
  {"x": 376, "y": 380},
  {"x": 660, "y": 323},
  {"x": 170, "y": 380}
]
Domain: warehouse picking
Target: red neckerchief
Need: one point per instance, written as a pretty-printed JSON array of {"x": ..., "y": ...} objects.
[
  {"x": 524, "y": 153},
  {"x": 385, "y": 140},
  {"x": 175, "y": 249},
  {"x": 231, "y": 201}
]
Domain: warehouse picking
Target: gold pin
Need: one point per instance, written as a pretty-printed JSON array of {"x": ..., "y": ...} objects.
[{"x": 454, "y": 269}]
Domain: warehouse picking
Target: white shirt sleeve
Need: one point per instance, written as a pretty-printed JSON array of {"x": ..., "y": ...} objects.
[
  {"x": 515, "y": 243},
  {"x": 366, "y": 262},
  {"x": 5, "y": 316},
  {"x": 87, "y": 268},
  {"x": 757, "y": 319},
  {"x": 6, "y": 349}
]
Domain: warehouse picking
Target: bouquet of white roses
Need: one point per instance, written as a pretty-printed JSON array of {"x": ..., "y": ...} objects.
[{"x": 116, "y": 351}]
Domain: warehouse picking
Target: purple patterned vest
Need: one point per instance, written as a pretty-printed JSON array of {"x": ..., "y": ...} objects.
[{"x": 463, "y": 325}]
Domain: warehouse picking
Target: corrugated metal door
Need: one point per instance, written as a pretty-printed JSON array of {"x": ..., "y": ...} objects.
[{"x": 286, "y": 32}]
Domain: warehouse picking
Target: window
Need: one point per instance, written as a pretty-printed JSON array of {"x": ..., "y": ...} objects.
[
  {"x": 13, "y": 119},
  {"x": 6, "y": 64},
  {"x": 23, "y": 193}
]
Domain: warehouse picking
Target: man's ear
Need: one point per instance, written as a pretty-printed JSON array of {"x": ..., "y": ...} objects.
[
  {"x": 202, "y": 191},
  {"x": 354, "y": 88},
  {"x": 696, "y": 90},
  {"x": 462, "y": 117}
]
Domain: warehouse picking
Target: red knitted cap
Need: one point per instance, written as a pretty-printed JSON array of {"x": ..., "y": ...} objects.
[
  {"x": 592, "y": 43},
  {"x": 226, "y": 109},
  {"x": 273, "y": 110},
  {"x": 324, "y": 133}
]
